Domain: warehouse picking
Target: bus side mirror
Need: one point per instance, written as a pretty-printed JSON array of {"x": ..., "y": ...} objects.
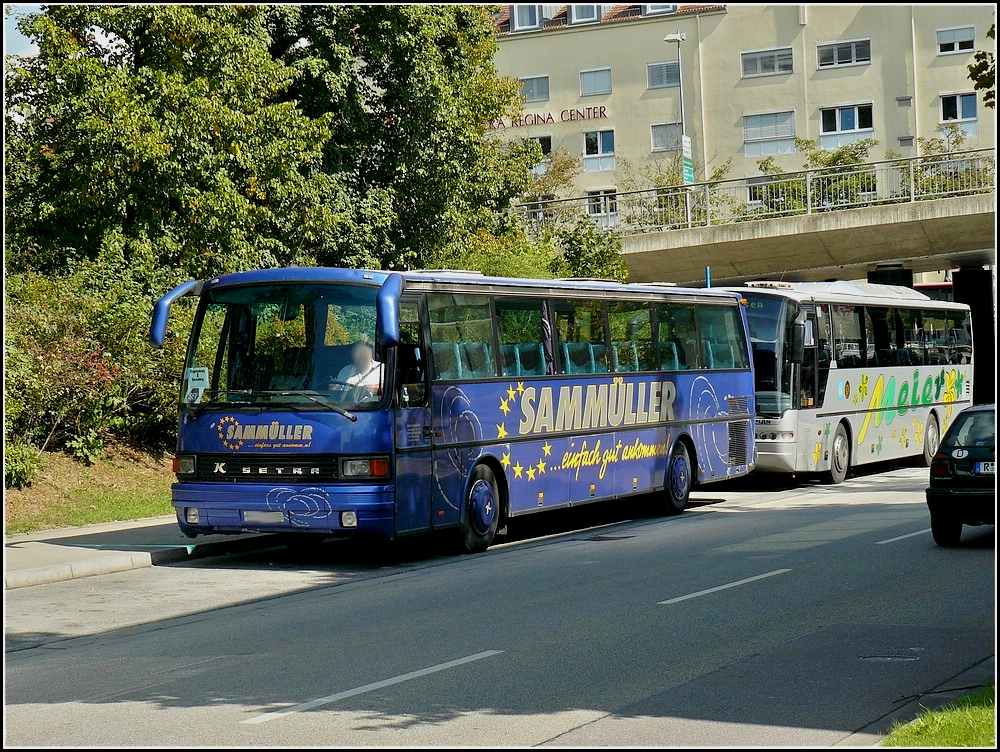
[
  {"x": 161, "y": 310},
  {"x": 387, "y": 312},
  {"x": 798, "y": 353}
]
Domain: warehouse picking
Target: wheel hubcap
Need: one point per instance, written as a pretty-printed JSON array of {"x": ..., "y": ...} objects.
[
  {"x": 679, "y": 477},
  {"x": 482, "y": 507}
]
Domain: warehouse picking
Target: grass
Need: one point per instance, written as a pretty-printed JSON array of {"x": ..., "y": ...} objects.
[
  {"x": 122, "y": 485},
  {"x": 970, "y": 721}
]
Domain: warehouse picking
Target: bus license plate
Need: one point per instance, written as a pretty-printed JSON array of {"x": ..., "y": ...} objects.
[
  {"x": 263, "y": 518},
  {"x": 986, "y": 468}
]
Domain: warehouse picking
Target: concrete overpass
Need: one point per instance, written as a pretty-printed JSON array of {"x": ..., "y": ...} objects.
[{"x": 921, "y": 236}]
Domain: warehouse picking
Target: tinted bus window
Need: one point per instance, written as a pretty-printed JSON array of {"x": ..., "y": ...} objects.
[
  {"x": 676, "y": 336},
  {"x": 525, "y": 338},
  {"x": 461, "y": 336},
  {"x": 723, "y": 344},
  {"x": 580, "y": 332},
  {"x": 847, "y": 336},
  {"x": 631, "y": 336}
]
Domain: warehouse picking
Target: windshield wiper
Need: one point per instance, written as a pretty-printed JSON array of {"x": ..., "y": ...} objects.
[{"x": 315, "y": 397}]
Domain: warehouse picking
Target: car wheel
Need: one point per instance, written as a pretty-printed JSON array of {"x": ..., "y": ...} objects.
[
  {"x": 946, "y": 531},
  {"x": 840, "y": 456}
]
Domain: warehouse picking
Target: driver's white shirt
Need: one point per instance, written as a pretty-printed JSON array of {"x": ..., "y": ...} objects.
[{"x": 372, "y": 378}]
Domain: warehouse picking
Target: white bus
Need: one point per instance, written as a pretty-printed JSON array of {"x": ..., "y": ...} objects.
[{"x": 848, "y": 373}]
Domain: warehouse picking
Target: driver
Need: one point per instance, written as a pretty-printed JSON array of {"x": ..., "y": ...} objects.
[{"x": 363, "y": 370}]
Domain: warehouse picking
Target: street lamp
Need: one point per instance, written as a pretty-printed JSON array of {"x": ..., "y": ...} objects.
[
  {"x": 687, "y": 164},
  {"x": 678, "y": 37}
]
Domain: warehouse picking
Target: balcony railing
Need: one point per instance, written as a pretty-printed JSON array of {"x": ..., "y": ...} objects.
[{"x": 892, "y": 181}]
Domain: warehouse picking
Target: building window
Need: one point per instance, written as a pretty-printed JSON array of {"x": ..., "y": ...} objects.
[
  {"x": 525, "y": 17},
  {"x": 960, "y": 108},
  {"x": 956, "y": 40},
  {"x": 845, "y": 53},
  {"x": 545, "y": 142},
  {"x": 662, "y": 75},
  {"x": 767, "y": 62},
  {"x": 845, "y": 125},
  {"x": 583, "y": 13},
  {"x": 535, "y": 89},
  {"x": 666, "y": 136},
  {"x": 602, "y": 205},
  {"x": 769, "y": 134},
  {"x": 653, "y": 10},
  {"x": 599, "y": 151},
  {"x": 595, "y": 82}
]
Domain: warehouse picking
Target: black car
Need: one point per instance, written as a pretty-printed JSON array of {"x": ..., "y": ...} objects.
[{"x": 962, "y": 488}]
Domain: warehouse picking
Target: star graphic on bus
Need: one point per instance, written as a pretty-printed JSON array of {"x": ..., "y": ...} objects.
[
  {"x": 505, "y": 406},
  {"x": 501, "y": 431},
  {"x": 541, "y": 467},
  {"x": 531, "y": 473},
  {"x": 511, "y": 392},
  {"x": 505, "y": 460},
  {"x": 547, "y": 448},
  {"x": 518, "y": 469}
]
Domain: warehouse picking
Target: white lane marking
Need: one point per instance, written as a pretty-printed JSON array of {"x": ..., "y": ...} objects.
[
  {"x": 901, "y": 537},
  {"x": 371, "y": 687},
  {"x": 724, "y": 587}
]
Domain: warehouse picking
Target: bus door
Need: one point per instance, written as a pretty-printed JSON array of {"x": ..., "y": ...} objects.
[{"x": 411, "y": 400}]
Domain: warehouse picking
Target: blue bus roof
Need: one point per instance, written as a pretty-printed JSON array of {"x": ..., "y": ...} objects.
[{"x": 451, "y": 276}]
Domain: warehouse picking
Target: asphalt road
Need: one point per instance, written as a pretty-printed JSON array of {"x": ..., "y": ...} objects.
[{"x": 765, "y": 615}]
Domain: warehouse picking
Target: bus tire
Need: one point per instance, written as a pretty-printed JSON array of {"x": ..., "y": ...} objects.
[
  {"x": 840, "y": 456},
  {"x": 481, "y": 512},
  {"x": 932, "y": 439},
  {"x": 677, "y": 483}
]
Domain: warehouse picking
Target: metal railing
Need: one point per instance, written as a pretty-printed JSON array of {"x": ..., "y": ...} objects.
[{"x": 892, "y": 181}]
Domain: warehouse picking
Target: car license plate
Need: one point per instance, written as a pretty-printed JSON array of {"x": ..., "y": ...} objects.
[{"x": 986, "y": 468}]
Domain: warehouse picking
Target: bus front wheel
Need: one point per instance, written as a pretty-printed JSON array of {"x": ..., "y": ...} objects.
[
  {"x": 481, "y": 515},
  {"x": 840, "y": 456},
  {"x": 678, "y": 480}
]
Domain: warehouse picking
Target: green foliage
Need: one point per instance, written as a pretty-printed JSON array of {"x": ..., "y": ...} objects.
[
  {"x": 163, "y": 126},
  {"x": 409, "y": 90},
  {"x": 983, "y": 72},
  {"x": 587, "y": 250},
  {"x": 21, "y": 464},
  {"x": 967, "y": 722}
]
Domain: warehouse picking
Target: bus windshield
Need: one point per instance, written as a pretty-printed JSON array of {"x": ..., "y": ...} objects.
[
  {"x": 770, "y": 319},
  {"x": 283, "y": 344}
]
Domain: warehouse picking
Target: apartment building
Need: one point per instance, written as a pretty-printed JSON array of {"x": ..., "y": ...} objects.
[{"x": 637, "y": 87}]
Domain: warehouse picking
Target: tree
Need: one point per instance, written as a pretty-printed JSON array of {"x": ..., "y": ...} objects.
[
  {"x": 410, "y": 91},
  {"x": 983, "y": 72},
  {"x": 162, "y": 130}
]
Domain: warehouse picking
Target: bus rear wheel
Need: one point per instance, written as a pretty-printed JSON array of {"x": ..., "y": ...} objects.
[
  {"x": 481, "y": 515},
  {"x": 677, "y": 481},
  {"x": 840, "y": 456},
  {"x": 932, "y": 440}
]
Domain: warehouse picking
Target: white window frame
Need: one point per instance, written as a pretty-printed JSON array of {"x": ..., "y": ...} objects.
[
  {"x": 956, "y": 40},
  {"x": 515, "y": 17},
  {"x": 839, "y": 43},
  {"x": 842, "y": 137},
  {"x": 768, "y": 134},
  {"x": 525, "y": 79},
  {"x": 969, "y": 125},
  {"x": 543, "y": 167},
  {"x": 671, "y": 71},
  {"x": 574, "y": 18},
  {"x": 671, "y": 128},
  {"x": 602, "y": 205},
  {"x": 596, "y": 92},
  {"x": 656, "y": 10},
  {"x": 599, "y": 161},
  {"x": 777, "y": 53}
]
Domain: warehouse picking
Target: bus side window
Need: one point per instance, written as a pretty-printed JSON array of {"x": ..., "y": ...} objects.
[{"x": 411, "y": 367}]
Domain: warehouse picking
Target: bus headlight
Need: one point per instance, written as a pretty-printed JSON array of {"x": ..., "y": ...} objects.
[
  {"x": 185, "y": 464},
  {"x": 367, "y": 467}
]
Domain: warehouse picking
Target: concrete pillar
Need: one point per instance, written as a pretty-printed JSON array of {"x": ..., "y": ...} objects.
[{"x": 974, "y": 286}]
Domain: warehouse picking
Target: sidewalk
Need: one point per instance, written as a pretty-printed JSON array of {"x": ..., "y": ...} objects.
[{"x": 55, "y": 555}]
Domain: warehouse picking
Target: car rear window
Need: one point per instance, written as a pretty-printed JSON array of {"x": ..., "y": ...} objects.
[{"x": 976, "y": 428}]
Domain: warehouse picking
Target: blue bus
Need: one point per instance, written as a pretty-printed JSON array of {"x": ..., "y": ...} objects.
[{"x": 320, "y": 402}]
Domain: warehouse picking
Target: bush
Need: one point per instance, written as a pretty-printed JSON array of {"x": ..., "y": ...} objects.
[{"x": 21, "y": 465}]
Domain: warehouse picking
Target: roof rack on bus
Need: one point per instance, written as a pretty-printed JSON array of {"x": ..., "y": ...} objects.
[
  {"x": 655, "y": 284},
  {"x": 766, "y": 283}
]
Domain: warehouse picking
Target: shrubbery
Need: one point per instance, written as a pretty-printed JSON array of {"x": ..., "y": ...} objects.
[{"x": 79, "y": 369}]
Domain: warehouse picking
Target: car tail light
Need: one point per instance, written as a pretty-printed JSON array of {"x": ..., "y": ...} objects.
[{"x": 940, "y": 466}]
